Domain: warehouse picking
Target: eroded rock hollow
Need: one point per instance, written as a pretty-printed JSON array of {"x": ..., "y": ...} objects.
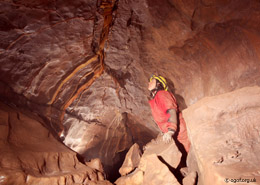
[{"x": 81, "y": 67}]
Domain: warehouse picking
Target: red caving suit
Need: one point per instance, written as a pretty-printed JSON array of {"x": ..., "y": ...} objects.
[{"x": 162, "y": 102}]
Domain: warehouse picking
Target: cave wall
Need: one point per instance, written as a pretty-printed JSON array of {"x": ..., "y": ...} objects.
[
  {"x": 53, "y": 65},
  {"x": 83, "y": 65},
  {"x": 29, "y": 154}
]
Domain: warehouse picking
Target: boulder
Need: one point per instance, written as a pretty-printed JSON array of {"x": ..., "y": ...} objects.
[
  {"x": 157, "y": 164},
  {"x": 131, "y": 161},
  {"x": 224, "y": 133},
  {"x": 168, "y": 153},
  {"x": 157, "y": 172}
]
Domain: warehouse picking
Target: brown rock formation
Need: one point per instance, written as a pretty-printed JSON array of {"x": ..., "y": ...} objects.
[
  {"x": 83, "y": 65},
  {"x": 131, "y": 161},
  {"x": 224, "y": 132},
  {"x": 52, "y": 58},
  {"x": 158, "y": 173},
  {"x": 157, "y": 165},
  {"x": 169, "y": 153},
  {"x": 29, "y": 154},
  {"x": 204, "y": 47},
  {"x": 190, "y": 179}
]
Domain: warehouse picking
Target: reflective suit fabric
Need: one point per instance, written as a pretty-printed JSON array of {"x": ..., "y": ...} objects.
[{"x": 162, "y": 102}]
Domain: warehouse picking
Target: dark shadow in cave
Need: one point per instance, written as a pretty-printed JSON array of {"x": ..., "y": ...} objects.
[
  {"x": 140, "y": 134},
  {"x": 180, "y": 100},
  {"x": 80, "y": 158},
  {"x": 111, "y": 172},
  {"x": 114, "y": 174},
  {"x": 176, "y": 172}
]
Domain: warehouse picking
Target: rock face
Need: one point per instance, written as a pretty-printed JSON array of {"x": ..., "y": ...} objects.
[
  {"x": 167, "y": 152},
  {"x": 52, "y": 62},
  {"x": 224, "y": 132},
  {"x": 131, "y": 161},
  {"x": 83, "y": 65},
  {"x": 29, "y": 154},
  {"x": 190, "y": 179},
  {"x": 204, "y": 47},
  {"x": 156, "y": 166},
  {"x": 158, "y": 173}
]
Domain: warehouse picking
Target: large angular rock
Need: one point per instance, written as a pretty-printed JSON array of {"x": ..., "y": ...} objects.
[
  {"x": 131, "y": 161},
  {"x": 158, "y": 173},
  {"x": 155, "y": 172},
  {"x": 156, "y": 166},
  {"x": 224, "y": 132},
  {"x": 29, "y": 154},
  {"x": 168, "y": 153}
]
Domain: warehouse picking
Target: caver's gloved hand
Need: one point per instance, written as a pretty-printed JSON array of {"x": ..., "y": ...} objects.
[{"x": 167, "y": 137}]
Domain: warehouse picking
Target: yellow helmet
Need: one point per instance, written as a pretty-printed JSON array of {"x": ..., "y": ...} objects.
[{"x": 161, "y": 79}]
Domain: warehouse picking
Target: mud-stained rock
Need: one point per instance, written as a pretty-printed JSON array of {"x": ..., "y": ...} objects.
[
  {"x": 224, "y": 133},
  {"x": 157, "y": 172},
  {"x": 131, "y": 161},
  {"x": 31, "y": 155}
]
